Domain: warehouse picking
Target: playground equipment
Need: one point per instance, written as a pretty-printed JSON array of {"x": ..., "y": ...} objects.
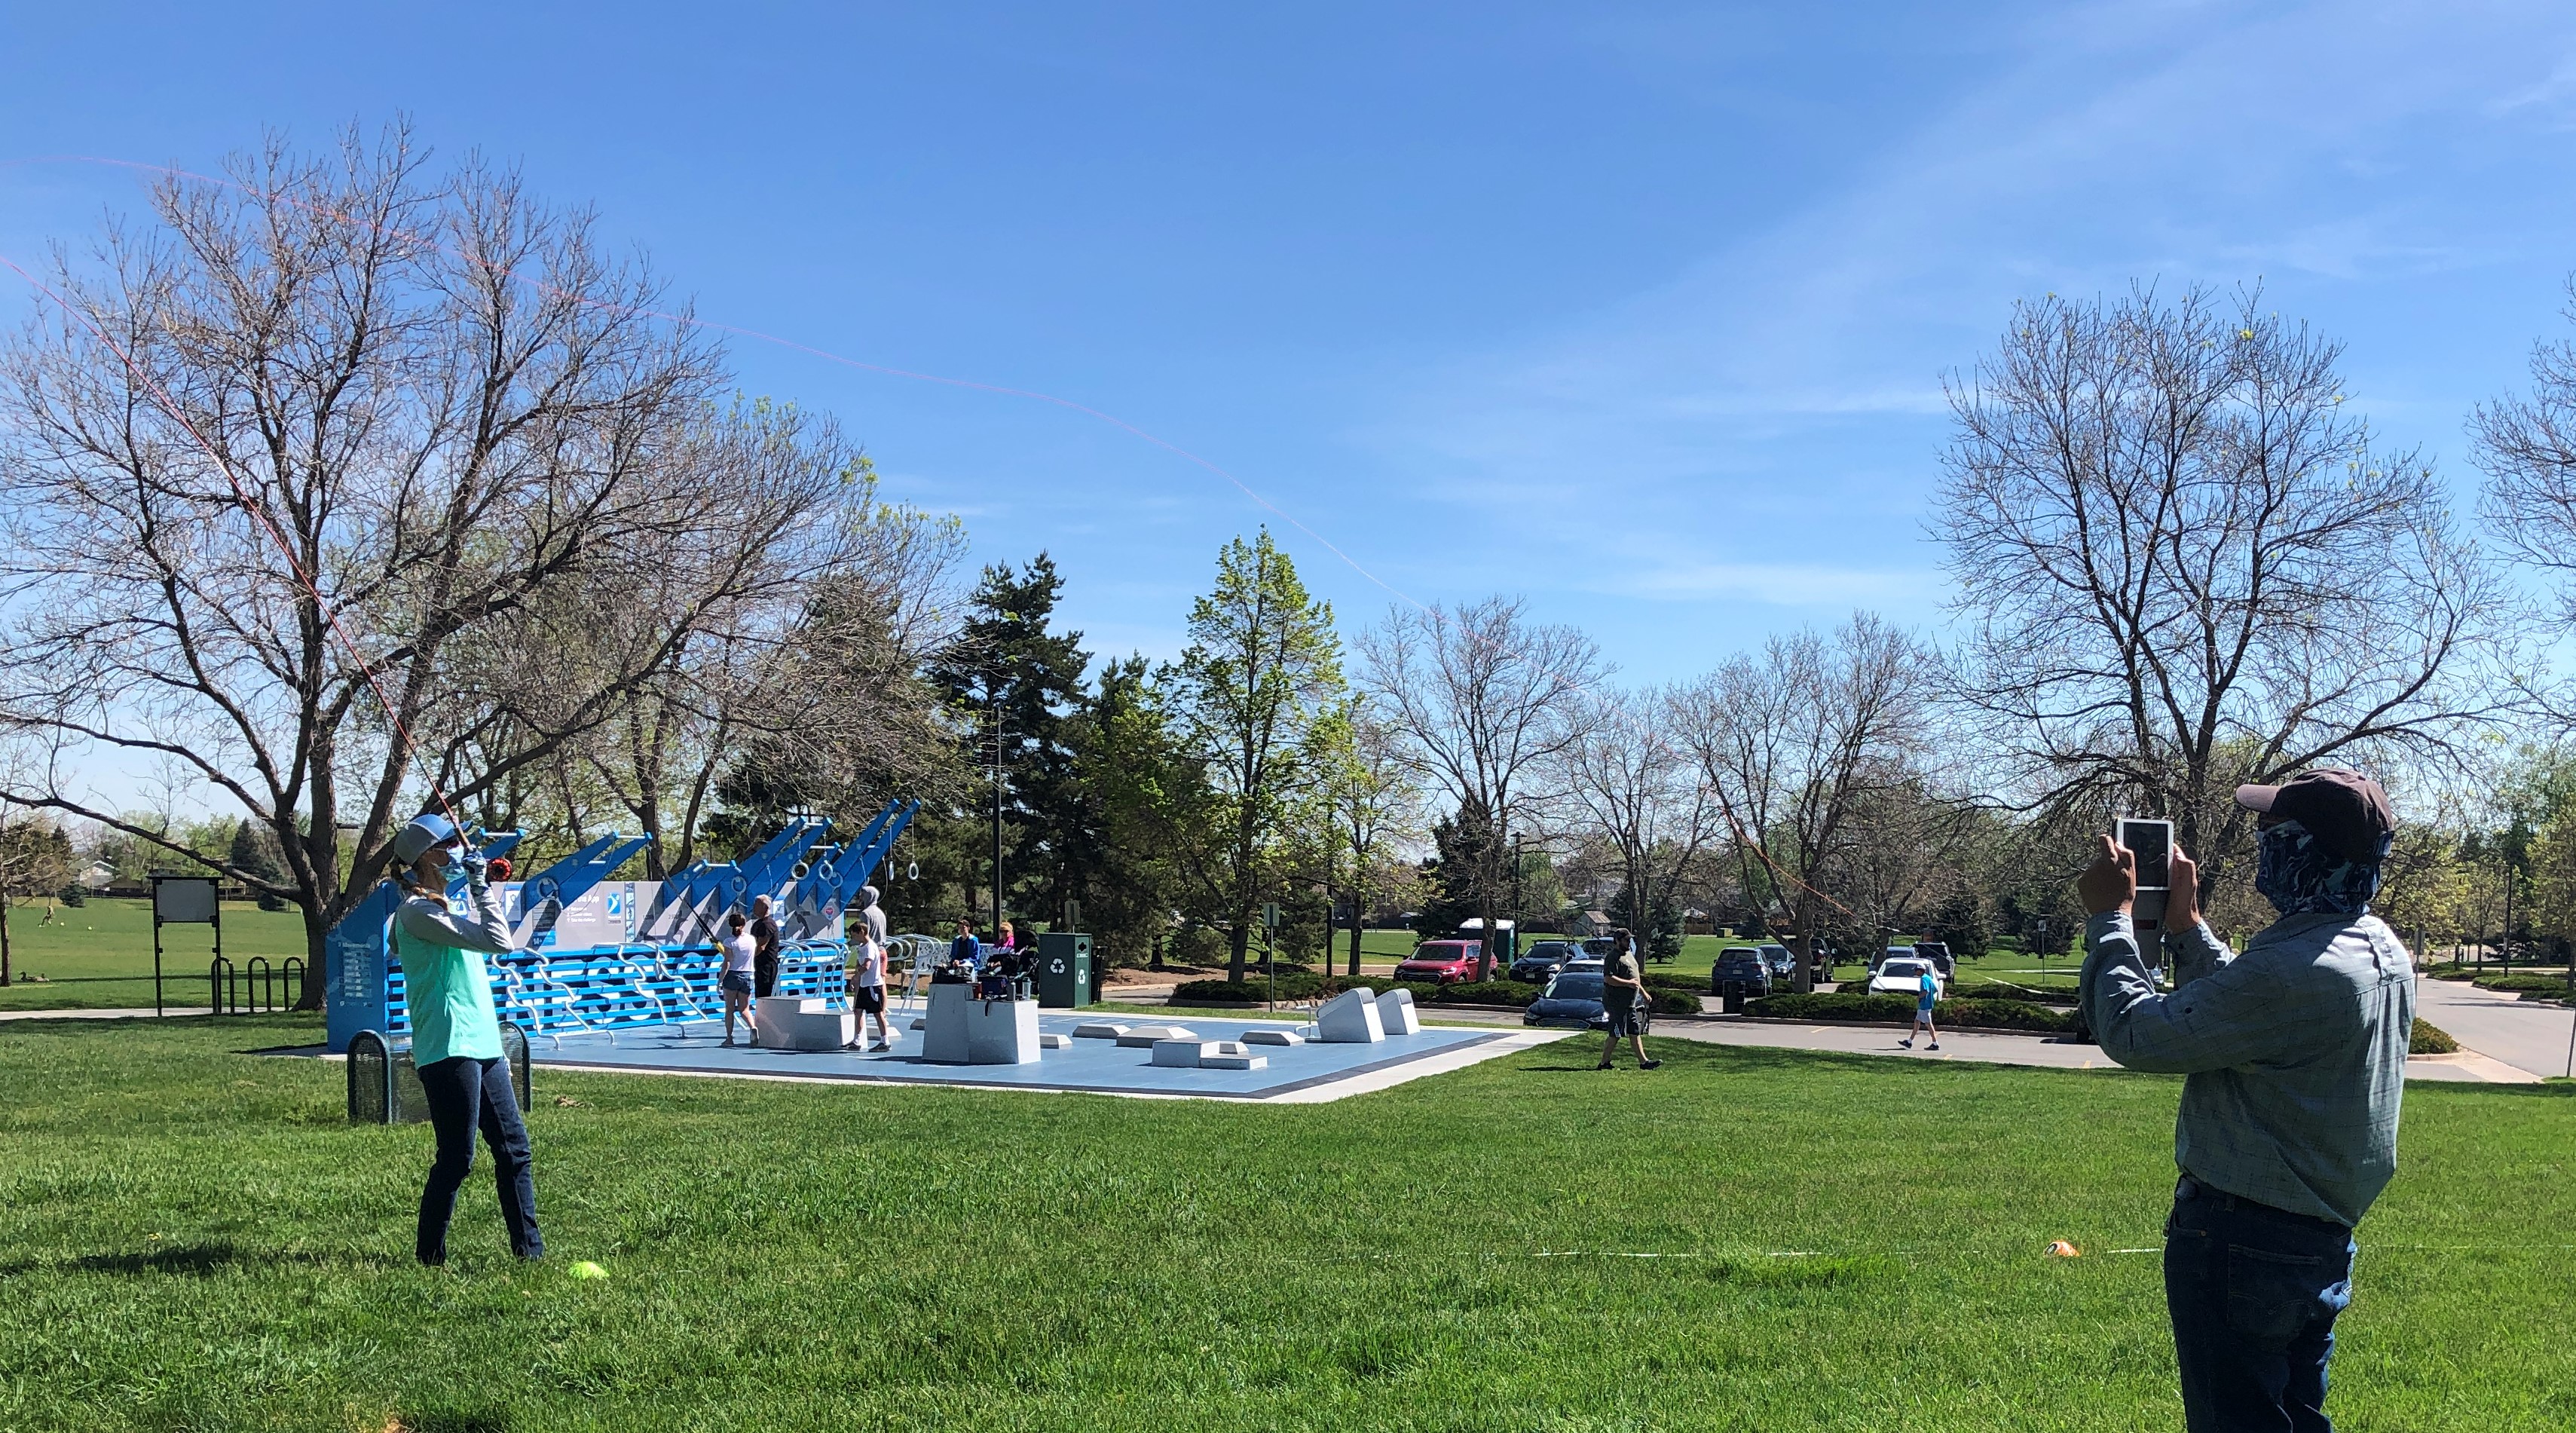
[
  {"x": 384, "y": 1086},
  {"x": 600, "y": 955}
]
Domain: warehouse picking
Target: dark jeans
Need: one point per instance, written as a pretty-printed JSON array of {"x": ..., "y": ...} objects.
[
  {"x": 2253, "y": 1292},
  {"x": 764, "y": 970},
  {"x": 465, "y": 1094}
]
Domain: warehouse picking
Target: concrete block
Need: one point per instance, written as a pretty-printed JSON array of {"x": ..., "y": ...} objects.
[
  {"x": 1395, "y": 1013},
  {"x": 1050, "y": 1040},
  {"x": 1002, "y": 1032},
  {"x": 1273, "y": 1037},
  {"x": 1231, "y": 1047},
  {"x": 1099, "y": 1030},
  {"x": 1182, "y": 1054},
  {"x": 918, "y": 1022},
  {"x": 1144, "y": 1036},
  {"x": 1349, "y": 1018},
  {"x": 790, "y": 1022},
  {"x": 1235, "y": 1062}
]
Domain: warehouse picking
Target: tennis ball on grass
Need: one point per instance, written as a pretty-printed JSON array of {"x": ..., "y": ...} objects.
[{"x": 588, "y": 1270}]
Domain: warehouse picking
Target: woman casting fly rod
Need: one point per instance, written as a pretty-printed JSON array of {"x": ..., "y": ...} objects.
[{"x": 455, "y": 1036}]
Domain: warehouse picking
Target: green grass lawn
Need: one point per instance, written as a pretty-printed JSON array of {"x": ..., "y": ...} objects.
[
  {"x": 190, "y": 1237},
  {"x": 99, "y": 956}
]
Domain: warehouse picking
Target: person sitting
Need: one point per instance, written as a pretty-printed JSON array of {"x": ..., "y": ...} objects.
[{"x": 965, "y": 952}]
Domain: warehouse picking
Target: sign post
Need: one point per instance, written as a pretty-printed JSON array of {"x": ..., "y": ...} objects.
[
  {"x": 1269, "y": 951},
  {"x": 183, "y": 900}
]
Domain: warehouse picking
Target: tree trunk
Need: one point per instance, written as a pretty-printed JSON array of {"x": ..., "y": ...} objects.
[
  {"x": 1359, "y": 923},
  {"x": 1240, "y": 943}
]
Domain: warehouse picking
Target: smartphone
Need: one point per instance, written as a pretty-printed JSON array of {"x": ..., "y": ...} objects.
[{"x": 2153, "y": 843}]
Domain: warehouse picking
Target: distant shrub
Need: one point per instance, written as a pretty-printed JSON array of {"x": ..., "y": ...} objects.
[
  {"x": 1898, "y": 1009},
  {"x": 75, "y": 894}
]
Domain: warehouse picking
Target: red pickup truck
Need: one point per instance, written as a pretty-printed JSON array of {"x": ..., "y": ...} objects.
[{"x": 1444, "y": 962}]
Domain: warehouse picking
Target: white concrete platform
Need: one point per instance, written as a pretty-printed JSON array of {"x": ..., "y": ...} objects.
[
  {"x": 1098, "y": 1030},
  {"x": 1350, "y": 1018},
  {"x": 1273, "y": 1037},
  {"x": 1145, "y": 1037},
  {"x": 1234, "y": 1062},
  {"x": 1182, "y": 1054}
]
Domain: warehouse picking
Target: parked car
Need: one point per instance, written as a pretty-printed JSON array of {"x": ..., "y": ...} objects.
[
  {"x": 1597, "y": 947},
  {"x": 1572, "y": 998},
  {"x": 1939, "y": 954},
  {"x": 1742, "y": 963},
  {"x": 1443, "y": 962},
  {"x": 1544, "y": 958},
  {"x": 1902, "y": 974},
  {"x": 1783, "y": 965},
  {"x": 1893, "y": 952}
]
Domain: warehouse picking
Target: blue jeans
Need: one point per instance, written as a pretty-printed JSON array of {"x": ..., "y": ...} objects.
[
  {"x": 466, "y": 1094},
  {"x": 2253, "y": 1292}
]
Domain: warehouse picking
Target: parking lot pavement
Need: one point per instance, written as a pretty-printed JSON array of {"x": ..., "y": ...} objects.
[{"x": 2529, "y": 1037}]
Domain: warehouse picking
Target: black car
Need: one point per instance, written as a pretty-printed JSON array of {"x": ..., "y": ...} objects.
[
  {"x": 1572, "y": 998},
  {"x": 1743, "y": 965},
  {"x": 1543, "y": 959},
  {"x": 1783, "y": 965}
]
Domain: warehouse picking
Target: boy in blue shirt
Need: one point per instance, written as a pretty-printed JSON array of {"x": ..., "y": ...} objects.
[{"x": 1923, "y": 1001}]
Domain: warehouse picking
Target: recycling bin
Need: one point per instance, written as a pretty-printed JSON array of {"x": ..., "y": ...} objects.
[{"x": 1064, "y": 970}]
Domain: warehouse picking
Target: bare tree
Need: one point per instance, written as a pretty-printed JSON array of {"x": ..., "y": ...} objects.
[
  {"x": 2183, "y": 564},
  {"x": 1376, "y": 805},
  {"x": 813, "y": 670},
  {"x": 1486, "y": 700},
  {"x": 458, "y": 420},
  {"x": 1643, "y": 794},
  {"x": 1794, "y": 744}
]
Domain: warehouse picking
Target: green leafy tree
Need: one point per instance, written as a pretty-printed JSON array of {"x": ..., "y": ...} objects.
[
  {"x": 1252, "y": 694},
  {"x": 1015, "y": 683},
  {"x": 253, "y": 855},
  {"x": 1145, "y": 809}
]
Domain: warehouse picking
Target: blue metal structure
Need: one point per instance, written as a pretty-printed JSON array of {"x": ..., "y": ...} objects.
[{"x": 600, "y": 954}]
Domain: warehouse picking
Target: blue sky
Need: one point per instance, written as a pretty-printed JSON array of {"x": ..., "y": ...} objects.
[{"x": 1639, "y": 310}]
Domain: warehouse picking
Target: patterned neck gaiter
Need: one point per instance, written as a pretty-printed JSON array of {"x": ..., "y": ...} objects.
[{"x": 2300, "y": 877}]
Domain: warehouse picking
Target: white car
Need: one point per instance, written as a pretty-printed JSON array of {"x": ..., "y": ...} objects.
[{"x": 1904, "y": 976}]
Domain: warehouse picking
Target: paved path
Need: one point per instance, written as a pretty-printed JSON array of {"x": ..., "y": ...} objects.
[
  {"x": 2527, "y": 1036},
  {"x": 2036, "y": 1051},
  {"x": 145, "y": 1012}
]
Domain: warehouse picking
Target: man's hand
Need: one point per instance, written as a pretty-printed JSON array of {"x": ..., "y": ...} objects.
[
  {"x": 2111, "y": 882},
  {"x": 2182, "y": 903},
  {"x": 478, "y": 867}
]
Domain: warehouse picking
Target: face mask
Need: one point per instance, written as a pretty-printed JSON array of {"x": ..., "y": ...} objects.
[{"x": 2299, "y": 876}]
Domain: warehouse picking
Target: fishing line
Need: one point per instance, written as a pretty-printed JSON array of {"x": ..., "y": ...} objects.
[
  {"x": 286, "y": 549},
  {"x": 1439, "y": 617}
]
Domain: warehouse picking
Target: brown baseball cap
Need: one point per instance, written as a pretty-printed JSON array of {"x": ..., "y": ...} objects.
[{"x": 2346, "y": 810}]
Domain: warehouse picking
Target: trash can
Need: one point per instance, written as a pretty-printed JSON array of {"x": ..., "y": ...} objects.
[
  {"x": 1733, "y": 1002},
  {"x": 1064, "y": 970}
]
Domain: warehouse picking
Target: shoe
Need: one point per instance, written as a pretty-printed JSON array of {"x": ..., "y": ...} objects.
[
  {"x": 1602, "y": 1066},
  {"x": 728, "y": 1040},
  {"x": 1652, "y": 1065},
  {"x": 879, "y": 1048},
  {"x": 1935, "y": 1045},
  {"x": 1905, "y": 1044}
]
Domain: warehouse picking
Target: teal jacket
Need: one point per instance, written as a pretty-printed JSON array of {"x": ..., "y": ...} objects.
[{"x": 446, "y": 983}]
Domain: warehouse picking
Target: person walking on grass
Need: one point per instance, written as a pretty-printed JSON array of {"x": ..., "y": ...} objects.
[
  {"x": 2294, "y": 1058},
  {"x": 456, "y": 1036},
  {"x": 736, "y": 943},
  {"x": 1623, "y": 998},
  {"x": 1923, "y": 1002}
]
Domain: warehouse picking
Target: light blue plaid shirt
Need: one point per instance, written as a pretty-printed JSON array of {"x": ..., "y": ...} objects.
[{"x": 2296, "y": 1052}]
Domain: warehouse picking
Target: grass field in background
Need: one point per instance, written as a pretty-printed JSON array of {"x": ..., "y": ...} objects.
[
  {"x": 191, "y": 1237},
  {"x": 99, "y": 955}
]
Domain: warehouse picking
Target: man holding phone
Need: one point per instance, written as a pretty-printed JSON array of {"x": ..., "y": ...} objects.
[{"x": 2296, "y": 1056}]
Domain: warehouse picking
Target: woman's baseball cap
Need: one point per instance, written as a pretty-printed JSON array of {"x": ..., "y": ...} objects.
[
  {"x": 2346, "y": 811},
  {"x": 419, "y": 834}
]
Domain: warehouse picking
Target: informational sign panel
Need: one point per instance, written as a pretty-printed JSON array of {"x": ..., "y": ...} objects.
[{"x": 183, "y": 900}]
